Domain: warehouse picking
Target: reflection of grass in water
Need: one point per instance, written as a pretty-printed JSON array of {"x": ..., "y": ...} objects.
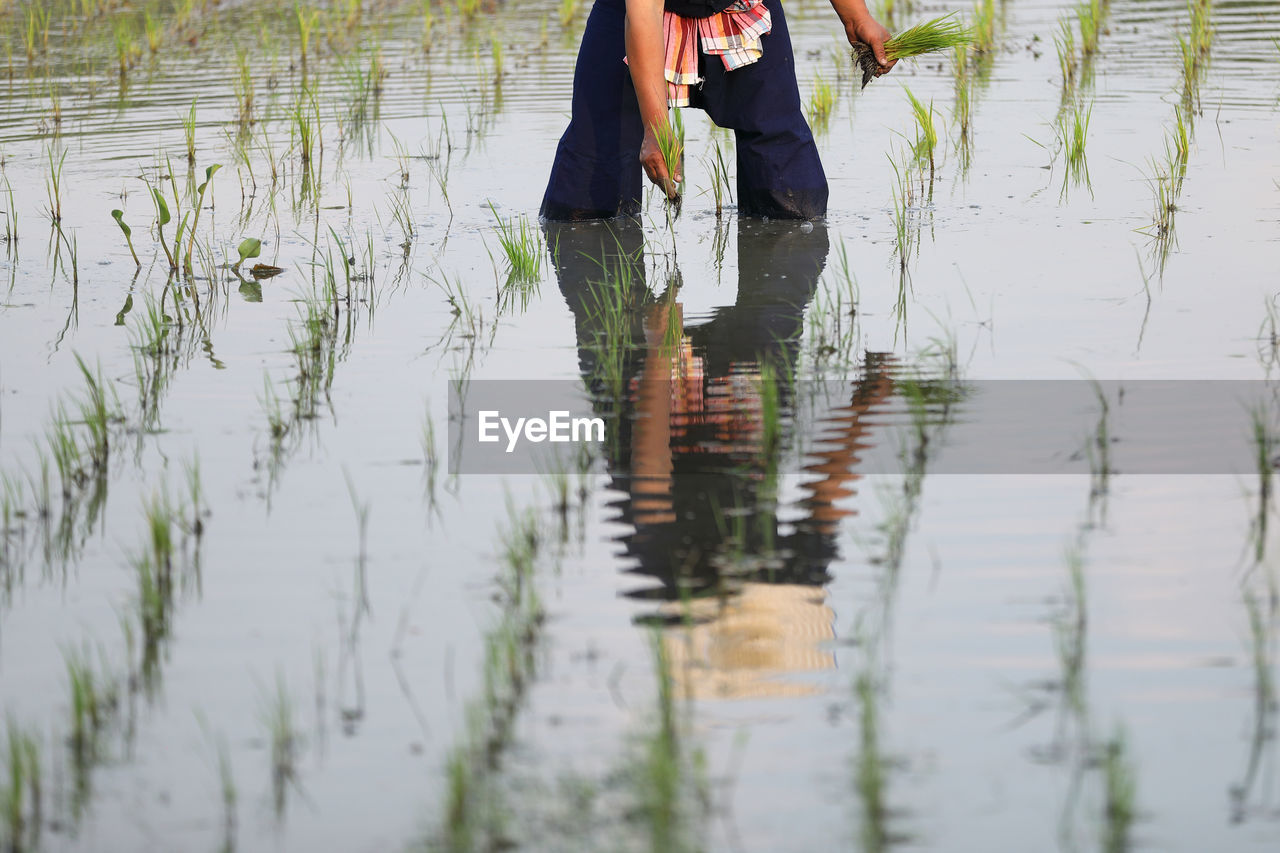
[
  {"x": 21, "y": 791},
  {"x": 666, "y": 772},
  {"x": 1260, "y": 608},
  {"x": 611, "y": 304},
  {"x": 1121, "y": 789},
  {"x": 871, "y": 777},
  {"x": 475, "y": 817},
  {"x": 284, "y": 741},
  {"x": 1264, "y": 456},
  {"x": 94, "y": 701}
]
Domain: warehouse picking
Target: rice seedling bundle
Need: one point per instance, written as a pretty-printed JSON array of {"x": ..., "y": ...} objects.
[{"x": 945, "y": 33}]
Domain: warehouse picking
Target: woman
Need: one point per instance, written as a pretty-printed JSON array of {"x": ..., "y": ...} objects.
[{"x": 731, "y": 58}]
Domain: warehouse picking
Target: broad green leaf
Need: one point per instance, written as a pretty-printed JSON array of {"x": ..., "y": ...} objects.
[
  {"x": 118, "y": 216},
  {"x": 250, "y": 248},
  {"x": 162, "y": 209}
]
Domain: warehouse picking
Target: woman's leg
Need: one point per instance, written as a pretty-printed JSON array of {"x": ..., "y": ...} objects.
[
  {"x": 779, "y": 173},
  {"x": 596, "y": 173}
]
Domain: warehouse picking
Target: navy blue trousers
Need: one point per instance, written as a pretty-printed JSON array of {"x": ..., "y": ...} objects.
[{"x": 597, "y": 174}]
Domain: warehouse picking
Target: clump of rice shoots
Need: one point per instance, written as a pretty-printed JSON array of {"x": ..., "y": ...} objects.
[{"x": 945, "y": 33}]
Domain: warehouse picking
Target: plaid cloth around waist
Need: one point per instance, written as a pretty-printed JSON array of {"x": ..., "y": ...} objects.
[{"x": 733, "y": 35}]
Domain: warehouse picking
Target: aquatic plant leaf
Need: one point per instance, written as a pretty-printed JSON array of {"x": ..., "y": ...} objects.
[
  {"x": 208, "y": 176},
  {"x": 251, "y": 247},
  {"x": 118, "y": 216},
  {"x": 123, "y": 312},
  {"x": 162, "y": 209}
]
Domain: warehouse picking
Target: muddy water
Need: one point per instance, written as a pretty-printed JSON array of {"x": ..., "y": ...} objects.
[{"x": 995, "y": 680}]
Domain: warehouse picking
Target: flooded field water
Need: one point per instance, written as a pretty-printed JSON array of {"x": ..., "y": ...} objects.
[{"x": 248, "y": 601}]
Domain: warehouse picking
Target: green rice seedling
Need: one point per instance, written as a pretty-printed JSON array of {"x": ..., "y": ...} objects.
[
  {"x": 1089, "y": 16},
  {"x": 945, "y": 33},
  {"x": 720, "y": 184},
  {"x": 305, "y": 118},
  {"x": 428, "y": 24},
  {"x": 244, "y": 88},
  {"x": 118, "y": 216},
  {"x": 1064, "y": 40},
  {"x": 670, "y": 139},
  {"x": 189, "y": 132},
  {"x": 926, "y": 142},
  {"x": 153, "y": 32},
  {"x": 568, "y": 11},
  {"x": 522, "y": 244},
  {"x": 36, "y": 34},
  {"x": 286, "y": 743},
  {"x": 307, "y": 19},
  {"x": 195, "y": 219},
  {"x": 53, "y": 186},
  {"x": 21, "y": 791},
  {"x": 1073, "y": 131},
  {"x": 495, "y": 48},
  {"x": 402, "y": 216},
  {"x": 903, "y": 233},
  {"x": 821, "y": 102},
  {"x": 11, "y": 216},
  {"x": 1120, "y": 807},
  {"x": 467, "y": 9},
  {"x": 1165, "y": 183},
  {"x": 127, "y": 50},
  {"x": 961, "y": 79},
  {"x": 1180, "y": 141},
  {"x": 984, "y": 25}
]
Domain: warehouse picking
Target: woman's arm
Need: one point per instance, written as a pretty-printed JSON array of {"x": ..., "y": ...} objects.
[
  {"x": 645, "y": 48},
  {"x": 860, "y": 26}
]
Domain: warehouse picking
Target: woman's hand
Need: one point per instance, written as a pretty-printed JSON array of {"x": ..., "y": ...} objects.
[
  {"x": 655, "y": 166},
  {"x": 859, "y": 25},
  {"x": 645, "y": 57},
  {"x": 870, "y": 32}
]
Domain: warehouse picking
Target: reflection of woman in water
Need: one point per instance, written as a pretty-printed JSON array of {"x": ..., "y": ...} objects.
[{"x": 689, "y": 452}]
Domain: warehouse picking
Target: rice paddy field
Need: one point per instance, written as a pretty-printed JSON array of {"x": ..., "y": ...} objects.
[{"x": 253, "y": 596}]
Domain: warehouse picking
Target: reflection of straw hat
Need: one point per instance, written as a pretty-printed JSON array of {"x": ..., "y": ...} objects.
[{"x": 742, "y": 646}]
